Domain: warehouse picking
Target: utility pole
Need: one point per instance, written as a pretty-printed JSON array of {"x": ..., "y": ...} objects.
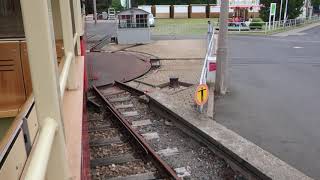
[
  {"x": 285, "y": 13},
  {"x": 280, "y": 15},
  {"x": 222, "y": 51},
  {"x": 95, "y": 11}
]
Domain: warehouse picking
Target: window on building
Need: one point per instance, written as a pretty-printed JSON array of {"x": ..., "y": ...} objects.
[
  {"x": 11, "y": 24},
  {"x": 125, "y": 21},
  {"x": 142, "y": 20}
]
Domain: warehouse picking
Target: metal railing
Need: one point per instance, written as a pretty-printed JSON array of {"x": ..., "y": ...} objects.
[
  {"x": 290, "y": 23},
  {"x": 140, "y": 23},
  {"x": 266, "y": 27},
  {"x": 65, "y": 72},
  {"x": 210, "y": 46},
  {"x": 39, "y": 163},
  {"x": 255, "y": 26},
  {"x": 211, "y": 41},
  {"x": 49, "y": 150}
]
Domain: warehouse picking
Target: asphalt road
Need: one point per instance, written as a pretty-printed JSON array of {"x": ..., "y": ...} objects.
[{"x": 275, "y": 96}]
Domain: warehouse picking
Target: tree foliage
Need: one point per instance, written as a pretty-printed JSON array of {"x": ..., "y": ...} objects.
[
  {"x": 315, "y": 2},
  {"x": 294, "y": 8},
  {"x": 116, "y": 4}
]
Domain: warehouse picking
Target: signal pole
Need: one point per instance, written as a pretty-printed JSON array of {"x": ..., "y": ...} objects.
[
  {"x": 280, "y": 11},
  {"x": 95, "y": 11},
  {"x": 285, "y": 12},
  {"x": 222, "y": 51}
]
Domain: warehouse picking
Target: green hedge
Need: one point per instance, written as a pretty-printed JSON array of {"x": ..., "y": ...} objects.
[{"x": 256, "y": 23}]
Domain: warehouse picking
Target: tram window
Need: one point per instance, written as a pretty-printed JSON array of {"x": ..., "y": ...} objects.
[{"x": 11, "y": 24}]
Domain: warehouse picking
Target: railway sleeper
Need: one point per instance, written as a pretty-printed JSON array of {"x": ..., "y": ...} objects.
[
  {"x": 123, "y": 158},
  {"x": 106, "y": 142}
]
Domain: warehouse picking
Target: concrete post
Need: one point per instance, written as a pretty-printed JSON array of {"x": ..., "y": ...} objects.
[
  {"x": 222, "y": 52},
  {"x": 210, "y": 106}
]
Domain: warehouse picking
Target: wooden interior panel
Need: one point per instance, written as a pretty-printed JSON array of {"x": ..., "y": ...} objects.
[
  {"x": 25, "y": 63},
  {"x": 11, "y": 79},
  {"x": 60, "y": 50},
  {"x": 26, "y": 69}
]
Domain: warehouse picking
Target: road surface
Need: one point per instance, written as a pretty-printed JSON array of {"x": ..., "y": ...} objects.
[{"x": 275, "y": 96}]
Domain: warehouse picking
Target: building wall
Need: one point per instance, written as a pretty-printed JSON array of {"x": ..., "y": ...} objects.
[
  {"x": 134, "y": 35},
  {"x": 162, "y": 11},
  {"x": 198, "y": 11},
  {"x": 146, "y": 8},
  {"x": 180, "y": 11}
]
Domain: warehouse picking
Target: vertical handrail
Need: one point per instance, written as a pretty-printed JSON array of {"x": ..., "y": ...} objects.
[
  {"x": 65, "y": 73},
  {"x": 49, "y": 160},
  {"x": 38, "y": 164}
]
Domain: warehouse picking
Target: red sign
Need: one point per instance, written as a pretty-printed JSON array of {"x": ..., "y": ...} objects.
[{"x": 212, "y": 66}]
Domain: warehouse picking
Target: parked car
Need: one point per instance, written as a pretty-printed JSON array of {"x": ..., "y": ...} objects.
[{"x": 151, "y": 20}]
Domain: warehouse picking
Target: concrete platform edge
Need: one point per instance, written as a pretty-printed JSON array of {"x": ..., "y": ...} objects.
[{"x": 241, "y": 154}]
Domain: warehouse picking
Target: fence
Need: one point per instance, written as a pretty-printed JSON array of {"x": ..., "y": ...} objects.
[
  {"x": 180, "y": 29},
  {"x": 285, "y": 24},
  {"x": 266, "y": 27},
  {"x": 191, "y": 27}
]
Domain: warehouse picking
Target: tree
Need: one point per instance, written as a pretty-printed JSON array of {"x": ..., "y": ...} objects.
[
  {"x": 294, "y": 8},
  {"x": 116, "y": 4},
  {"x": 315, "y": 2}
]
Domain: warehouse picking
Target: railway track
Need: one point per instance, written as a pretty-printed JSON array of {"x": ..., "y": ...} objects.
[
  {"x": 116, "y": 151},
  {"x": 129, "y": 141}
]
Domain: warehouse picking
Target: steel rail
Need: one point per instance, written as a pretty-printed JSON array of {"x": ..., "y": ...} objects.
[
  {"x": 137, "y": 137},
  {"x": 128, "y": 88},
  {"x": 101, "y": 41},
  {"x": 199, "y": 136}
]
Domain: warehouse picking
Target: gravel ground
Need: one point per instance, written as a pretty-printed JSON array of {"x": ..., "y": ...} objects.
[
  {"x": 130, "y": 168},
  {"x": 196, "y": 158},
  {"x": 141, "y": 165},
  {"x": 111, "y": 132},
  {"x": 112, "y": 150}
]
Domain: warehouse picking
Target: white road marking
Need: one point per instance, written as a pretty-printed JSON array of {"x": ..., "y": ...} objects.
[{"x": 298, "y": 47}]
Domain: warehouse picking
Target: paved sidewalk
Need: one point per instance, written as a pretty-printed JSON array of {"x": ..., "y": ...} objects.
[
  {"x": 174, "y": 49},
  {"x": 187, "y": 71},
  {"x": 297, "y": 31},
  {"x": 178, "y": 58}
]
